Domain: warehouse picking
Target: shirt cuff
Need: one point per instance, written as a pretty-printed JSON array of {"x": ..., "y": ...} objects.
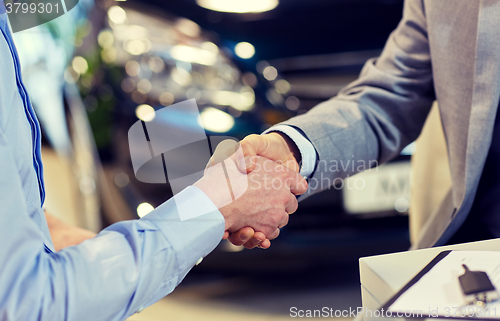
[
  {"x": 194, "y": 238},
  {"x": 306, "y": 148}
]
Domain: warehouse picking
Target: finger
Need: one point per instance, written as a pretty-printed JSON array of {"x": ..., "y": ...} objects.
[
  {"x": 243, "y": 161},
  {"x": 259, "y": 235},
  {"x": 226, "y": 235},
  {"x": 254, "y": 242},
  {"x": 252, "y": 145},
  {"x": 292, "y": 205},
  {"x": 265, "y": 244},
  {"x": 274, "y": 234},
  {"x": 284, "y": 221},
  {"x": 242, "y": 236},
  {"x": 298, "y": 184}
]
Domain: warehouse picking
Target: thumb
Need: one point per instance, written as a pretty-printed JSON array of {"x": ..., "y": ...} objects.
[
  {"x": 250, "y": 148},
  {"x": 298, "y": 184}
]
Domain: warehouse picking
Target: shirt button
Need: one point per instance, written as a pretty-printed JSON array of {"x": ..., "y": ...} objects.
[
  {"x": 199, "y": 261},
  {"x": 139, "y": 310}
]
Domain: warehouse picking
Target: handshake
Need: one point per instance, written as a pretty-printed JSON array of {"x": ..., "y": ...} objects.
[{"x": 263, "y": 180}]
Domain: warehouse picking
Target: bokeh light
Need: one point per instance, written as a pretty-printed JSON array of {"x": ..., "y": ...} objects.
[
  {"x": 238, "y": 6},
  {"x": 244, "y": 50},
  {"x": 216, "y": 120},
  {"x": 270, "y": 73},
  {"x": 144, "y": 208},
  {"x": 145, "y": 112},
  {"x": 117, "y": 15}
]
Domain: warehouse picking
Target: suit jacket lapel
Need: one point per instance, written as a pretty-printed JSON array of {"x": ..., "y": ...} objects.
[{"x": 485, "y": 96}]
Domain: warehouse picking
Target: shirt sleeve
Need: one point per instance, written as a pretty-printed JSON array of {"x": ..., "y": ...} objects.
[
  {"x": 306, "y": 148},
  {"x": 126, "y": 267}
]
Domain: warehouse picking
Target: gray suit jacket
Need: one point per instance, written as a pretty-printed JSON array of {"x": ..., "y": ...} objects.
[{"x": 447, "y": 50}]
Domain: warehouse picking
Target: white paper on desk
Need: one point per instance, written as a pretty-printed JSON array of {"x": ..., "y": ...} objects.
[{"x": 439, "y": 288}]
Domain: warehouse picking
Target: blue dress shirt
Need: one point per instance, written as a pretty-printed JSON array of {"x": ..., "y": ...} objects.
[{"x": 127, "y": 267}]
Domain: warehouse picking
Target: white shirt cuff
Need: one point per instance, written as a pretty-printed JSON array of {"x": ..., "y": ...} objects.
[{"x": 306, "y": 148}]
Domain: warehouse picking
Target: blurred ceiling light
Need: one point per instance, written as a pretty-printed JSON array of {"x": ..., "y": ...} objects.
[
  {"x": 216, "y": 120},
  {"x": 109, "y": 55},
  {"x": 282, "y": 86},
  {"x": 136, "y": 46},
  {"x": 193, "y": 93},
  {"x": 121, "y": 179},
  {"x": 242, "y": 101},
  {"x": 117, "y": 15},
  {"x": 210, "y": 46},
  {"x": 188, "y": 27},
  {"x": 138, "y": 98},
  {"x": 244, "y": 50},
  {"x": 147, "y": 44},
  {"x": 274, "y": 97},
  {"x": 246, "y": 99},
  {"x": 181, "y": 76},
  {"x": 401, "y": 205},
  {"x": 105, "y": 39},
  {"x": 166, "y": 99},
  {"x": 128, "y": 85},
  {"x": 132, "y": 68},
  {"x": 193, "y": 55},
  {"x": 261, "y": 65},
  {"x": 238, "y": 6},
  {"x": 249, "y": 79},
  {"x": 144, "y": 208},
  {"x": 144, "y": 86},
  {"x": 80, "y": 65},
  {"x": 145, "y": 112},
  {"x": 270, "y": 73},
  {"x": 292, "y": 103},
  {"x": 136, "y": 32},
  {"x": 156, "y": 64}
]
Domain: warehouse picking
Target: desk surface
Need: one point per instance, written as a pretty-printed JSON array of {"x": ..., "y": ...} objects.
[{"x": 382, "y": 276}]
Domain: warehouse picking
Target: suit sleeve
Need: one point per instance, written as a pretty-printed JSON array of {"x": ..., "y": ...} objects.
[
  {"x": 127, "y": 267},
  {"x": 375, "y": 117}
]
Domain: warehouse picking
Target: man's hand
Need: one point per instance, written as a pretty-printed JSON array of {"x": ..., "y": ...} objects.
[
  {"x": 275, "y": 146},
  {"x": 267, "y": 202},
  {"x": 64, "y": 235}
]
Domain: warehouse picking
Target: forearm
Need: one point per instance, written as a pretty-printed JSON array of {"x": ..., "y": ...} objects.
[
  {"x": 376, "y": 116},
  {"x": 127, "y": 267},
  {"x": 64, "y": 235}
]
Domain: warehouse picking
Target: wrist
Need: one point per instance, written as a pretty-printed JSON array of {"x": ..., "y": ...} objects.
[
  {"x": 293, "y": 149},
  {"x": 221, "y": 199}
]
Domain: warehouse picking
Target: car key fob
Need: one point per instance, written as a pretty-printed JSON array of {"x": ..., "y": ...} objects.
[{"x": 477, "y": 287}]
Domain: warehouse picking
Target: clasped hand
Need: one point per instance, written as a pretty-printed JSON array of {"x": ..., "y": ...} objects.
[{"x": 268, "y": 171}]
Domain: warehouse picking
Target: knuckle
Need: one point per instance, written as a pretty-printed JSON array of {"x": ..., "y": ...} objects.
[{"x": 284, "y": 197}]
